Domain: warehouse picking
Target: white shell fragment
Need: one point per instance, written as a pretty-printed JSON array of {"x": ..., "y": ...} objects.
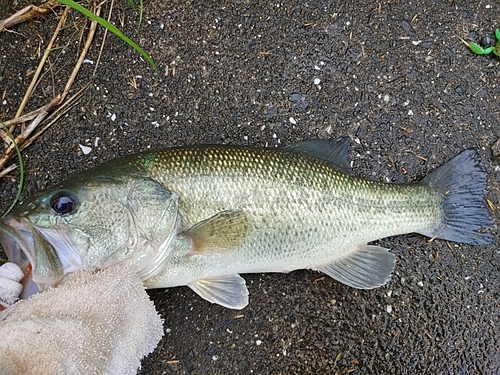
[{"x": 85, "y": 149}]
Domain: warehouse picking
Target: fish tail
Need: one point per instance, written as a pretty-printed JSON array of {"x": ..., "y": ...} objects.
[{"x": 461, "y": 184}]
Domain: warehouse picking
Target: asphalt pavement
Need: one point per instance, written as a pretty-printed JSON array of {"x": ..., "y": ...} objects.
[{"x": 393, "y": 76}]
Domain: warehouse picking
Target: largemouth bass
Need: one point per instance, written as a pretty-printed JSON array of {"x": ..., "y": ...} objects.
[{"x": 202, "y": 215}]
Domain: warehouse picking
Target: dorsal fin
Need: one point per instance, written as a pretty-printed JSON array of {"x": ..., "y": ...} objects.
[{"x": 334, "y": 152}]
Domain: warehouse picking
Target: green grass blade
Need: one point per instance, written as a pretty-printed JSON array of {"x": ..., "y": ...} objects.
[
  {"x": 131, "y": 2},
  {"x": 21, "y": 170},
  {"x": 114, "y": 30},
  {"x": 141, "y": 11}
]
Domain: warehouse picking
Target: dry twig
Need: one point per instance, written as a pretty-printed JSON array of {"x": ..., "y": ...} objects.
[{"x": 28, "y": 13}]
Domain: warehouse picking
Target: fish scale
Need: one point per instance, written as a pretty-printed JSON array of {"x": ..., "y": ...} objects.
[{"x": 290, "y": 188}]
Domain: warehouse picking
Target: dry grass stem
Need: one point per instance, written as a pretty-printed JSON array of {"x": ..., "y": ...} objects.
[
  {"x": 56, "y": 115},
  {"x": 34, "y": 80},
  {"x": 104, "y": 37},
  {"x": 46, "y": 109},
  {"x": 9, "y": 169},
  {"x": 83, "y": 54},
  {"x": 27, "y": 117},
  {"x": 25, "y": 137}
]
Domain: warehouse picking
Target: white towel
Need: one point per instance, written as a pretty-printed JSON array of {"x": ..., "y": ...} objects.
[
  {"x": 93, "y": 323},
  {"x": 10, "y": 287}
]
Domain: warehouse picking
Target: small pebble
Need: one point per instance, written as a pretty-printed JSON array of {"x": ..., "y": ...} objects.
[
  {"x": 296, "y": 97},
  {"x": 485, "y": 41}
]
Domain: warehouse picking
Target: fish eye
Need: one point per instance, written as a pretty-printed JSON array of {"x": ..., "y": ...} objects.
[{"x": 63, "y": 203}]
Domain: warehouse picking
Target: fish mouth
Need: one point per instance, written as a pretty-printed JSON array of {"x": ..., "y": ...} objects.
[{"x": 44, "y": 255}]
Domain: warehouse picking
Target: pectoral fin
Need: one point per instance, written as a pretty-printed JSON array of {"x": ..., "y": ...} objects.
[
  {"x": 224, "y": 231},
  {"x": 367, "y": 268},
  {"x": 229, "y": 291}
]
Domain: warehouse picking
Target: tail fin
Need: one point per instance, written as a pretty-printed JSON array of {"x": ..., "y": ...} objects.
[{"x": 461, "y": 182}]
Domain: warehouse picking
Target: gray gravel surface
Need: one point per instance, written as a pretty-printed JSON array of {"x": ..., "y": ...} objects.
[{"x": 393, "y": 76}]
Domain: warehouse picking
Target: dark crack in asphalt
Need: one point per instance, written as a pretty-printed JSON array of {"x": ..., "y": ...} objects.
[{"x": 392, "y": 76}]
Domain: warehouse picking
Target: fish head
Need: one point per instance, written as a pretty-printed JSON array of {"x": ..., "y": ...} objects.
[{"x": 91, "y": 224}]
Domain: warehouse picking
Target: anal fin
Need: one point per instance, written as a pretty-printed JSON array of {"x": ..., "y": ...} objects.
[
  {"x": 228, "y": 291},
  {"x": 367, "y": 268}
]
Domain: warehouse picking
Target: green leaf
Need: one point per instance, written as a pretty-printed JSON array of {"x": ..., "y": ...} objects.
[
  {"x": 114, "y": 30},
  {"x": 480, "y": 51}
]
